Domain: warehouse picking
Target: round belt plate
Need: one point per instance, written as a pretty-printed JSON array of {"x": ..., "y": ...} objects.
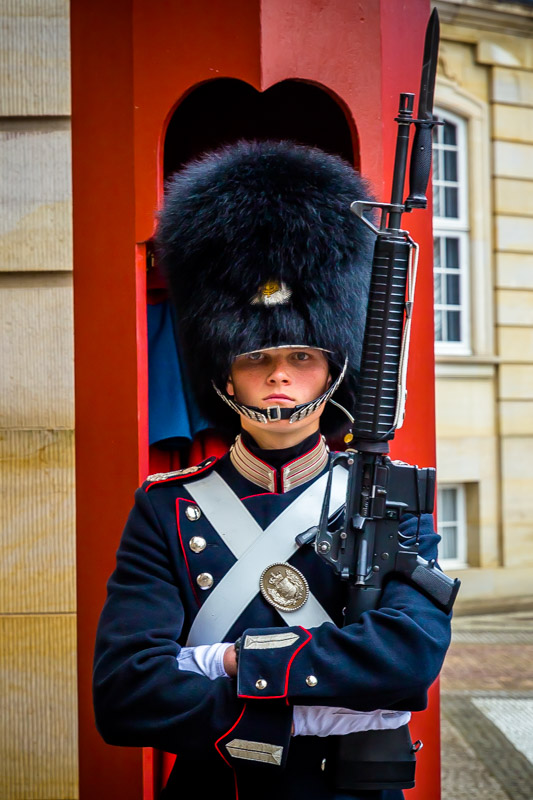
[{"x": 284, "y": 587}]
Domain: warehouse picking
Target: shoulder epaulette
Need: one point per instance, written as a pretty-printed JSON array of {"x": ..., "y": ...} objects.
[{"x": 178, "y": 474}]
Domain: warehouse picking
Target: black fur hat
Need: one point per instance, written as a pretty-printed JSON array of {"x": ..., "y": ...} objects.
[{"x": 260, "y": 249}]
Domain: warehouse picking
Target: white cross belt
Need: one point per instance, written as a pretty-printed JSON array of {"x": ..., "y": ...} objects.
[{"x": 255, "y": 549}]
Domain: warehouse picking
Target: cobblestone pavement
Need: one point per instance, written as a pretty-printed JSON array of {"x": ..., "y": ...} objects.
[{"x": 487, "y": 709}]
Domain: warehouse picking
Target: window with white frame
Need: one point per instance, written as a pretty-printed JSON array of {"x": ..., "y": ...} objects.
[
  {"x": 451, "y": 509},
  {"x": 451, "y": 235}
]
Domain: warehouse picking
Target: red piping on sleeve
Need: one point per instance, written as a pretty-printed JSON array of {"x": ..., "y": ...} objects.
[
  {"x": 289, "y": 665},
  {"x": 223, "y": 757},
  {"x": 183, "y": 547},
  {"x": 227, "y": 734}
]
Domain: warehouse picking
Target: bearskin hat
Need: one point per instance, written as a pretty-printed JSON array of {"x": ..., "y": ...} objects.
[{"x": 260, "y": 249}]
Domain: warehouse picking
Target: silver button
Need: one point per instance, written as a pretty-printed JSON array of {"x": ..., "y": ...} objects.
[
  {"x": 197, "y": 544},
  {"x": 204, "y": 580},
  {"x": 311, "y": 680},
  {"x": 261, "y": 684},
  {"x": 193, "y": 513}
]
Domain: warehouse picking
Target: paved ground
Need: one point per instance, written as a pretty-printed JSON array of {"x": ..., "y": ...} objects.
[{"x": 487, "y": 709}]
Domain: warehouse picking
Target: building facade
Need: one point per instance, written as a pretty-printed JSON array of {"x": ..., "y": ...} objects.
[{"x": 483, "y": 207}]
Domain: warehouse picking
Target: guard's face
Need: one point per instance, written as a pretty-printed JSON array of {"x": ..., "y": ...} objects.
[{"x": 285, "y": 377}]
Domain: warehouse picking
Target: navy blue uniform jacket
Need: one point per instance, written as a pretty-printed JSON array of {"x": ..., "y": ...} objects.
[{"x": 141, "y": 697}]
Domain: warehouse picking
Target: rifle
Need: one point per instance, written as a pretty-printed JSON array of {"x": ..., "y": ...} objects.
[{"x": 363, "y": 545}]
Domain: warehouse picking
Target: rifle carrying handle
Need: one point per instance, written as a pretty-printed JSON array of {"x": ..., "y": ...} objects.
[{"x": 420, "y": 166}]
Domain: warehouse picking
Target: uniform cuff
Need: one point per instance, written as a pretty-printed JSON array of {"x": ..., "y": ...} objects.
[
  {"x": 265, "y": 661},
  {"x": 260, "y": 737}
]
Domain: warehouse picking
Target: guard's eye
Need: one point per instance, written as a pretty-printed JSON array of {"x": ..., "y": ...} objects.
[
  {"x": 255, "y": 356},
  {"x": 301, "y": 356}
]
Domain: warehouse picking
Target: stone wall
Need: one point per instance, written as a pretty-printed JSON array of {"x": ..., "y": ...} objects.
[{"x": 37, "y": 568}]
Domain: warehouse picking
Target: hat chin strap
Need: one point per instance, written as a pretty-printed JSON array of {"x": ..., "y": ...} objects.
[{"x": 277, "y": 413}]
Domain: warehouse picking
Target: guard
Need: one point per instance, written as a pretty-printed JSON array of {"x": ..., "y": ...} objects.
[{"x": 221, "y": 639}]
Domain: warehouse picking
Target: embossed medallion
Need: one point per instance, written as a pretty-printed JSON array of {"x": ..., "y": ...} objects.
[{"x": 284, "y": 587}]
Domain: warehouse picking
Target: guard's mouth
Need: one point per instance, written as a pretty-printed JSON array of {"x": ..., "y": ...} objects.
[{"x": 279, "y": 397}]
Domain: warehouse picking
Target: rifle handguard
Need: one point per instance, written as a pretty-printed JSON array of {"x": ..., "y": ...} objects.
[{"x": 382, "y": 351}]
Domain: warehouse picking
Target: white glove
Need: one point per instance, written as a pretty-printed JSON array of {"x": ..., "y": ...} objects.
[
  {"x": 332, "y": 721},
  {"x": 205, "y": 659},
  {"x": 208, "y": 660}
]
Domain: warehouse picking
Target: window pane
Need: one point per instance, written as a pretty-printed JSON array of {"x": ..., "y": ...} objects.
[
  {"x": 436, "y": 252},
  {"x": 453, "y": 324},
  {"x": 451, "y": 202},
  {"x": 448, "y": 546},
  {"x": 450, "y": 165},
  {"x": 437, "y": 282},
  {"x": 436, "y": 165},
  {"x": 449, "y": 133},
  {"x": 452, "y": 253},
  {"x": 452, "y": 290},
  {"x": 438, "y": 209},
  {"x": 447, "y": 505},
  {"x": 450, "y": 210},
  {"x": 439, "y": 315}
]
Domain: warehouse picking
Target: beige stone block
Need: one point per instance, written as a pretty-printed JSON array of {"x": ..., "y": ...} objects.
[
  {"x": 505, "y": 51},
  {"x": 512, "y": 86},
  {"x": 516, "y": 382},
  {"x": 39, "y": 707},
  {"x": 465, "y": 459},
  {"x": 514, "y": 234},
  {"x": 35, "y": 196},
  {"x": 515, "y": 344},
  {"x": 516, "y": 418},
  {"x": 457, "y": 63},
  {"x": 513, "y": 160},
  {"x": 491, "y": 586},
  {"x": 34, "y": 58},
  {"x": 514, "y": 197},
  {"x": 515, "y": 307},
  {"x": 513, "y": 123},
  {"x": 473, "y": 460},
  {"x": 36, "y": 380},
  {"x": 37, "y": 520},
  {"x": 464, "y": 407},
  {"x": 517, "y": 491},
  {"x": 514, "y": 270}
]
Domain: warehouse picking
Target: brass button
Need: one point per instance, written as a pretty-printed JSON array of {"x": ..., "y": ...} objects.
[
  {"x": 193, "y": 513},
  {"x": 204, "y": 580},
  {"x": 311, "y": 680},
  {"x": 197, "y": 544},
  {"x": 261, "y": 684}
]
